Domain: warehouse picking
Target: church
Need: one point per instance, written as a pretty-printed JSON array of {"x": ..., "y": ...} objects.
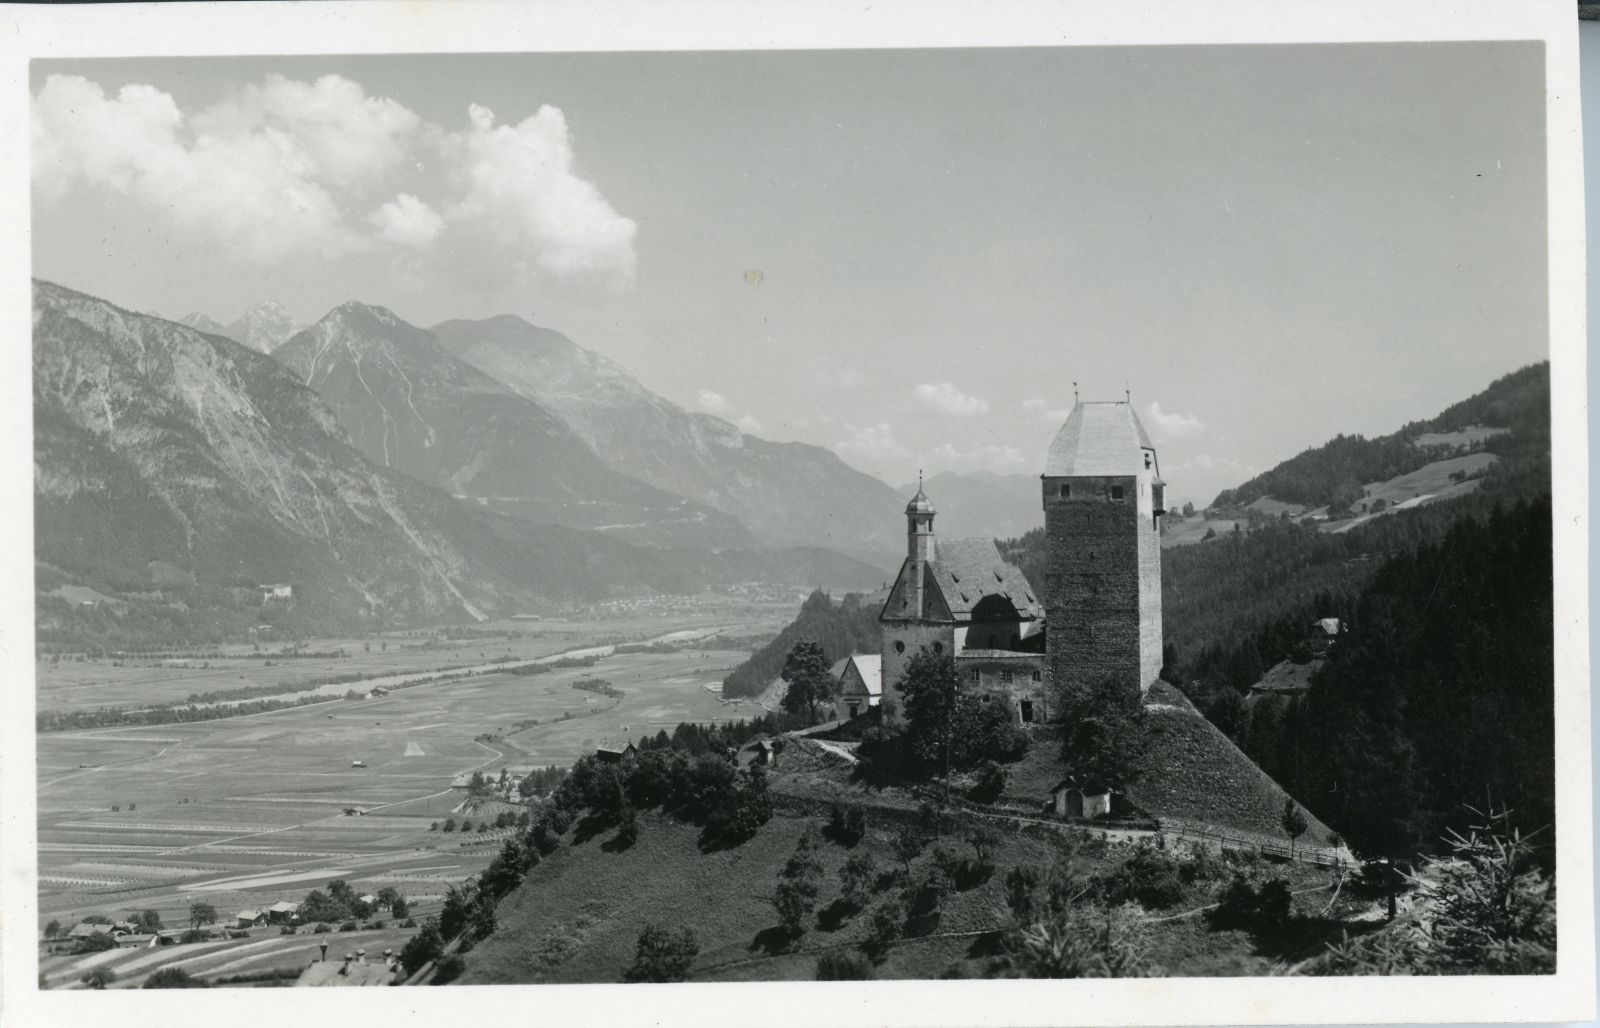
[{"x": 1098, "y": 611}]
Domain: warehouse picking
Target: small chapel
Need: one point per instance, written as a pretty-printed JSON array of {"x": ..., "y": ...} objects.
[{"x": 1098, "y": 611}]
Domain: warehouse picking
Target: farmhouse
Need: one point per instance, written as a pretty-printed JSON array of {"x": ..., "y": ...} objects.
[
  {"x": 860, "y": 683},
  {"x": 352, "y": 972},
  {"x": 84, "y": 930},
  {"x": 610, "y": 753},
  {"x": 250, "y": 918},
  {"x": 281, "y": 912},
  {"x": 276, "y": 592}
]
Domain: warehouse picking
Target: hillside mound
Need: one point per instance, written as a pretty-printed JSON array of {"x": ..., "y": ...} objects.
[{"x": 1193, "y": 772}]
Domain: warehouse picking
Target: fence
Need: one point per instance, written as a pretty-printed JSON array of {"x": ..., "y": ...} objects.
[{"x": 1229, "y": 840}]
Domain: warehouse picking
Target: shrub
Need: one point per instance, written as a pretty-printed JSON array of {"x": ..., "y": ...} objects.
[
  {"x": 847, "y": 824},
  {"x": 856, "y": 878},
  {"x": 887, "y": 922},
  {"x": 844, "y": 966},
  {"x": 192, "y": 935},
  {"x": 989, "y": 783},
  {"x": 348, "y": 926},
  {"x": 1253, "y": 909},
  {"x": 98, "y": 978},
  {"x": 322, "y": 928},
  {"x": 447, "y": 970},
  {"x": 1149, "y": 877},
  {"x": 422, "y": 947},
  {"x": 663, "y": 955},
  {"x": 174, "y": 978}
]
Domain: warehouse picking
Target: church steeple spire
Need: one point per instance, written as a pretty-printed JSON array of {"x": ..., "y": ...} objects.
[{"x": 919, "y": 547}]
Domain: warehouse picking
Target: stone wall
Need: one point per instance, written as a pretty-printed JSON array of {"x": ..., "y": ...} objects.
[{"x": 1094, "y": 584}]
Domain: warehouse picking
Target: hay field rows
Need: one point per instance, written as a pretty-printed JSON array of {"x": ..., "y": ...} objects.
[{"x": 244, "y": 812}]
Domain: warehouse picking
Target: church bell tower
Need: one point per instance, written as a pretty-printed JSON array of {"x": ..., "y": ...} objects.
[{"x": 1103, "y": 501}]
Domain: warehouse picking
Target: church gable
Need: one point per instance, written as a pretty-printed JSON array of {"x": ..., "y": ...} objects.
[{"x": 935, "y": 607}]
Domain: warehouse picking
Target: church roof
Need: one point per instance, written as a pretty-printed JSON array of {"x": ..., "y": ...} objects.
[
  {"x": 967, "y": 570},
  {"x": 1098, "y": 439},
  {"x": 920, "y": 504}
]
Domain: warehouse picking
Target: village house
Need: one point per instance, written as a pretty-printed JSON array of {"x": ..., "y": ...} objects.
[
  {"x": 281, "y": 912},
  {"x": 250, "y": 918}
]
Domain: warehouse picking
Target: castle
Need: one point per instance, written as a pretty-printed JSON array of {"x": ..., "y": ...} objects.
[{"x": 1100, "y": 610}]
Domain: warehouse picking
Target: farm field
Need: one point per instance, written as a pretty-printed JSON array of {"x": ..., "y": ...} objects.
[
  {"x": 75, "y": 682},
  {"x": 246, "y": 811},
  {"x": 264, "y": 950}
]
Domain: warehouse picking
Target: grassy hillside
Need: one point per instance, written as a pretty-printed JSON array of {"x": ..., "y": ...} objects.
[
  {"x": 1195, "y": 773},
  {"x": 1519, "y": 403},
  {"x": 577, "y": 916}
]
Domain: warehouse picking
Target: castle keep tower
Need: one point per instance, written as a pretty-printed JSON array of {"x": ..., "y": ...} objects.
[{"x": 1103, "y": 501}]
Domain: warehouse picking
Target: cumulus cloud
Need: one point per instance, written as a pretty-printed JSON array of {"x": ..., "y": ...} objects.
[
  {"x": 872, "y": 444},
  {"x": 1173, "y": 425},
  {"x": 285, "y": 167},
  {"x": 713, "y": 401},
  {"x": 518, "y": 183},
  {"x": 946, "y": 397},
  {"x": 407, "y": 221},
  {"x": 256, "y": 188},
  {"x": 751, "y": 424}
]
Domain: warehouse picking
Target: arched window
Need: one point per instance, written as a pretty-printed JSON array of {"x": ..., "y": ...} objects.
[{"x": 899, "y": 647}]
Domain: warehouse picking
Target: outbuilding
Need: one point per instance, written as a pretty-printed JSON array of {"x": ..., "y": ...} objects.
[
  {"x": 1080, "y": 802},
  {"x": 860, "y": 684}
]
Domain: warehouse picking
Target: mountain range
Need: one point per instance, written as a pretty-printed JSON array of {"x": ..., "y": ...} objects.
[
  {"x": 174, "y": 470},
  {"x": 785, "y": 493},
  {"x": 262, "y": 328},
  {"x": 409, "y": 404}
]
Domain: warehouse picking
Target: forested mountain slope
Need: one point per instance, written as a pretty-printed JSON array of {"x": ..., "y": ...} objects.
[{"x": 1511, "y": 419}]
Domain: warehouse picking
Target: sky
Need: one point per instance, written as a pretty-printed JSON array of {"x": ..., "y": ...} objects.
[{"x": 910, "y": 257}]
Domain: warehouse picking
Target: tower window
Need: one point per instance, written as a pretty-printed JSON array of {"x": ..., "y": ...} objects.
[
  {"x": 1037, "y": 677},
  {"x": 1116, "y": 492},
  {"x": 975, "y": 676},
  {"x": 938, "y": 647},
  {"x": 1005, "y": 677},
  {"x": 1066, "y": 491},
  {"x": 899, "y": 647}
]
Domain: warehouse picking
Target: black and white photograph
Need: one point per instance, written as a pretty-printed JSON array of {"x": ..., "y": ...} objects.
[{"x": 940, "y": 508}]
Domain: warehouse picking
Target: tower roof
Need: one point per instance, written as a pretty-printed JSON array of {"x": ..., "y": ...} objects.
[
  {"x": 920, "y": 504},
  {"x": 1098, "y": 439}
]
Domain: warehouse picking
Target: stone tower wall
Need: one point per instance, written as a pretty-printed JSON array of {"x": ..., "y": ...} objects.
[{"x": 1102, "y": 587}]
